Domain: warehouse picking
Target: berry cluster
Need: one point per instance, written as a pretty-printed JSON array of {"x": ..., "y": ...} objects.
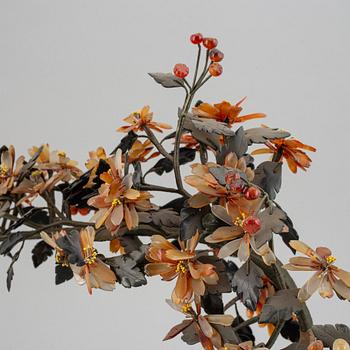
[{"x": 215, "y": 68}]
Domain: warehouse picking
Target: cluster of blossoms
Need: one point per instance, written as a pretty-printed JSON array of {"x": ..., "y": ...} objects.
[{"x": 195, "y": 240}]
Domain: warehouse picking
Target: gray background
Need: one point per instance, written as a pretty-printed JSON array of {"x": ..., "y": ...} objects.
[{"x": 70, "y": 70}]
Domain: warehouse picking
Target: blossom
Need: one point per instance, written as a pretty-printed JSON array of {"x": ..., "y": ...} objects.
[
  {"x": 241, "y": 234},
  {"x": 170, "y": 262},
  {"x": 116, "y": 199},
  {"x": 138, "y": 120},
  {"x": 326, "y": 278},
  {"x": 139, "y": 151},
  {"x": 291, "y": 150},
  {"x": 224, "y": 112},
  {"x": 234, "y": 176},
  {"x": 9, "y": 169},
  {"x": 75, "y": 249},
  {"x": 93, "y": 162},
  {"x": 56, "y": 161},
  {"x": 204, "y": 326}
]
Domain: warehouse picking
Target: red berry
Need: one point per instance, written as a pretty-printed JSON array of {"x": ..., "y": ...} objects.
[
  {"x": 73, "y": 210},
  {"x": 84, "y": 211},
  {"x": 252, "y": 193},
  {"x": 210, "y": 43},
  {"x": 181, "y": 70},
  {"x": 216, "y": 55},
  {"x": 196, "y": 38},
  {"x": 215, "y": 69},
  {"x": 251, "y": 224}
]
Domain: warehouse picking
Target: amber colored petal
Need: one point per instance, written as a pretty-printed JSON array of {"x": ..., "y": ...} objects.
[
  {"x": 181, "y": 285},
  {"x": 229, "y": 248},
  {"x": 211, "y": 279},
  {"x": 205, "y": 341},
  {"x": 223, "y": 320},
  {"x": 205, "y": 326},
  {"x": 48, "y": 240},
  {"x": 224, "y": 233},
  {"x": 100, "y": 216},
  {"x": 293, "y": 166},
  {"x": 132, "y": 194},
  {"x": 160, "y": 242},
  {"x": 216, "y": 339},
  {"x": 261, "y": 151},
  {"x": 310, "y": 287},
  {"x": 114, "y": 245},
  {"x": 175, "y": 254},
  {"x": 325, "y": 289},
  {"x": 153, "y": 269},
  {"x": 343, "y": 275},
  {"x": 199, "y": 169},
  {"x": 198, "y": 286},
  {"x": 205, "y": 110},
  {"x": 266, "y": 253},
  {"x": 244, "y": 249},
  {"x": 134, "y": 216},
  {"x": 342, "y": 289},
  {"x": 195, "y": 273},
  {"x": 200, "y": 200},
  {"x": 192, "y": 243},
  {"x": 300, "y": 260},
  {"x": 164, "y": 125},
  {"x": 303, "y": 248},
  {"x": 221, "y": 213},
  {"x": 246, "y": 117},
  {"x": 106, "y": 177},
  {"x": 117, "y": 215},
  {"x": 103, "y": 275},
  {"x": 127, "y": 217},
  {"x": 291, "y": 267},
  {"x": 233, "y": 209},
  {"x": 231, "y": 160}
]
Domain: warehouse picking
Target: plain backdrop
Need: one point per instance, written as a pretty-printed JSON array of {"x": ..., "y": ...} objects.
[{"x": 70, "y": 70}]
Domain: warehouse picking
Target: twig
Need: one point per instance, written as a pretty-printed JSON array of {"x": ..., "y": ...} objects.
[
  {"x": 150, "y": 187},
  {"x": 246, "y": 323},
  {"x": 156, "y": 143},
  {"x": 231, "y": 302},
  {"x": 275, "y": 335}
]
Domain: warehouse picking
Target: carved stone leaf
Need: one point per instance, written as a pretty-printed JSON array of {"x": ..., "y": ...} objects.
[
  {"x": 291, "y": 330},
  {"x": 280, "y": 306},
  {"x": 186, "y": 155},
  {"x": 268, "y": 176},
  {"x": 244, "y": 333},
  {"x": 166, "y": 217},
  {"x": 191, "y": 221},
  {"x": 189, "y": 335},
  {"x": 305, "y": 339},
  {"x": 127, "y": 272},
  {"x": 167, "y": 80},
  {"x": 62, "y": 274},
  {"x": 223, "y": 285},
  {"x": 228, "y": 335},
  {"x": 329, "y": 333},
  {"x": 247, "y": 282},
  {"x": 41, "y": 252},
  {"x": 177, "y": 329},
  {"x": 27, "y": 166},
  {"x": 126, "y": 142},
  {"x": 4, "y": 206},
  {"x": 262, "y": 134},
  {"x": 212, "y": 304},
  {"x": 236, "y": 143}
]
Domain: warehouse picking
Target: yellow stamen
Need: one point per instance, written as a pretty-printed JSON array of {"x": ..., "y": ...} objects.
[
  {"x": 239, "y": 220},
  {"x": 186, "y": 308},
  {"x": 61, "y": 153},
  {"x": 116, "y": 202},
  {"x": 90, "y": 255},
  {"x": 181, "y": 267},
  {"x": 3, "y": 169},
  {"x": 330, "y": 259},
  {"x": 36, "y": 173}
]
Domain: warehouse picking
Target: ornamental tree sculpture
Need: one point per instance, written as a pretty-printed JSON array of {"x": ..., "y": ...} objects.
[{"x": 218, "y": 240}]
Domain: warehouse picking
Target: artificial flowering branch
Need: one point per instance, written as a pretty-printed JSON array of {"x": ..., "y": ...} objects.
[{"x": 216, "y": 241}]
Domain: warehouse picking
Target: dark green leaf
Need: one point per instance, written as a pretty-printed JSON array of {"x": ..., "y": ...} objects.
[
  {"x": 191, "y": 221},
  {"x": 280, "y": 306},
  {"x": 62, "y": 274},
  {"x": 329, "y": 333},
  {"x": 41, "y": 252},
  {"x": 212, "y": 304}
]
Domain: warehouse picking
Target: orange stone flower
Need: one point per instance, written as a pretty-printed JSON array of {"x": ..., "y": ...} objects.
[
  {"x": 141, "y": 118},
  {"x": 204, "y": 325},
  {"x": 139, "y": 151},
  {"x": 326, "y": 278},
  {"x": 75, "y": 249},
  {"x": 291, "y": 150},
  {"x": 93, "y": 162},
  {"x": 224, "y": 112},
  {"x": 116, "y": 199},
  {"x": 9, "y": 169},
  {"x": 240, "y": 234},
  {"x": 210, "y": 189},
  {"x": 170, "y": 262}
]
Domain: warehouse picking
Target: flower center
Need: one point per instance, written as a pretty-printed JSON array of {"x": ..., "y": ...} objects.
[
  {"x": 61, "y": 259},
  {"x": 186, "y": 308},
  {"x": 61, "y": 153},
  {"x": 239, "y": 220},
  {"x": 181, "y": 267},
  {"x": 116, "y": 202},
  {"x": 3, "y": 169},
  {"x": 36, "y": 173},
  {"x": 330, "y": 259},
  {"x": 90, "y": 255}
]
